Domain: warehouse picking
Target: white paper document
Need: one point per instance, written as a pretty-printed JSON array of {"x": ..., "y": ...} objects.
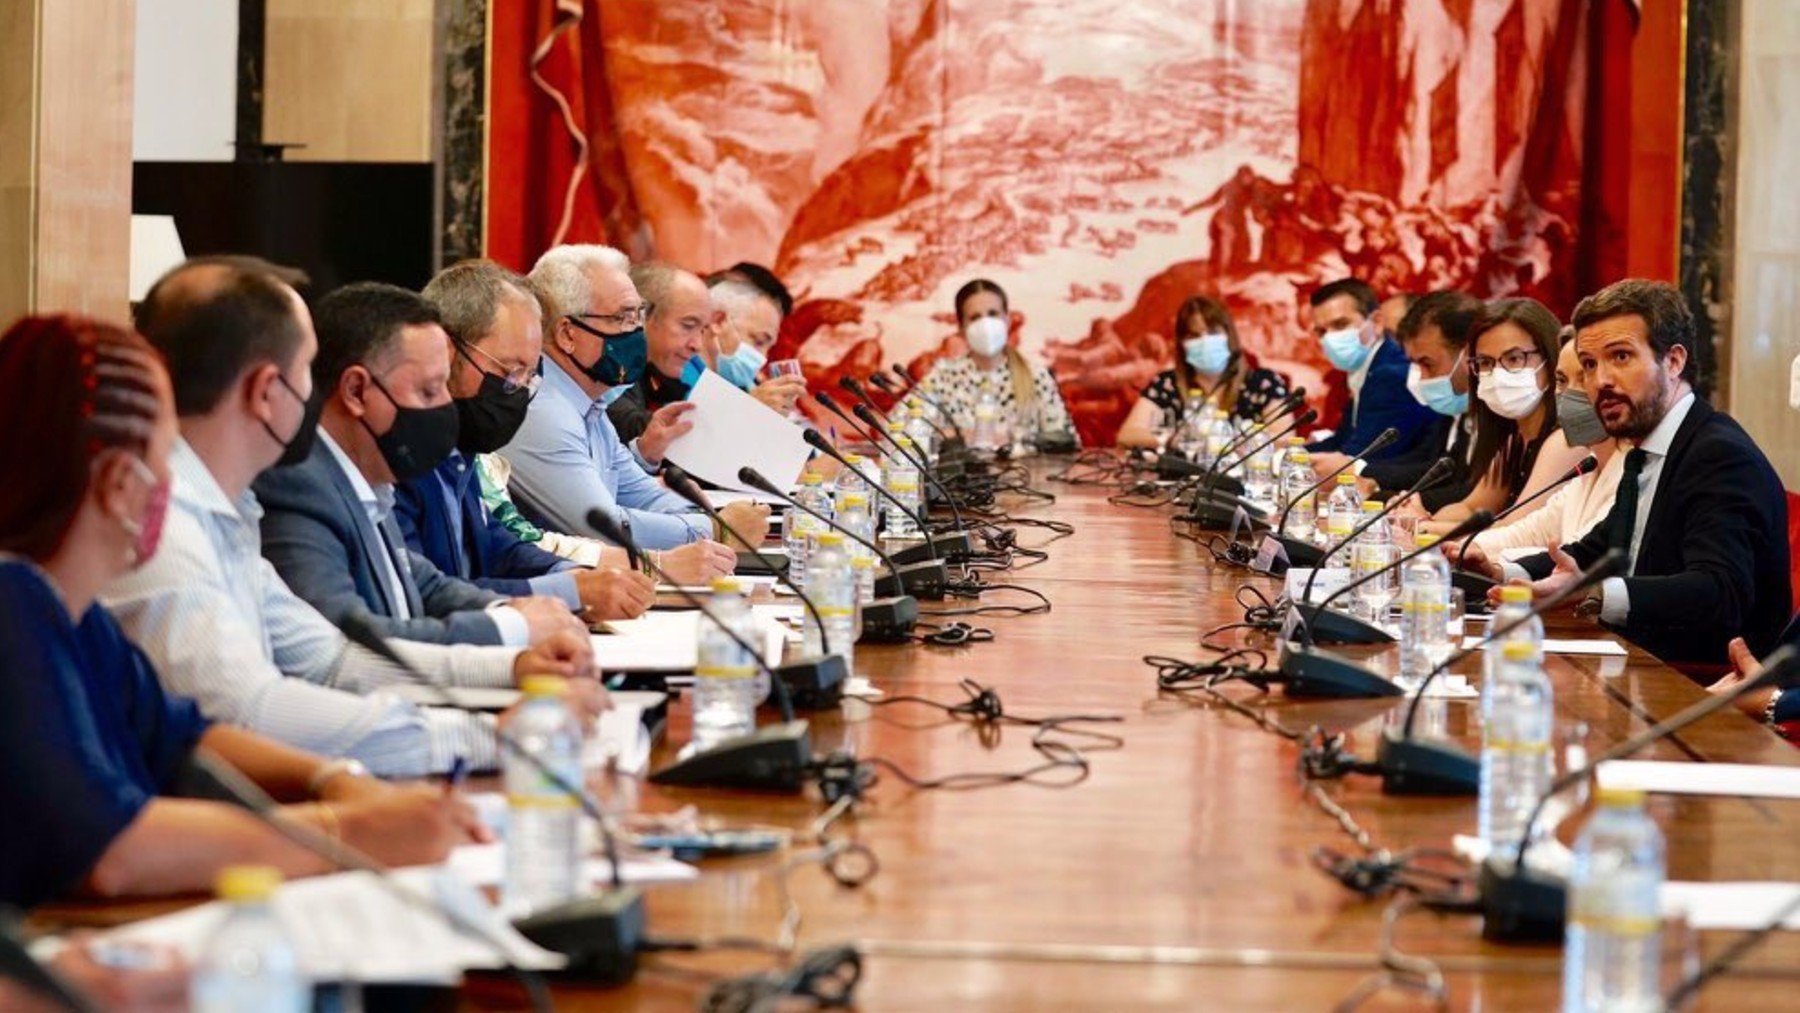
[
  {"x": 481, "y": 698},
  {"x": 349, "y": 927},
  {"x": 1597, "y": 648},
  {"x": 485, "y": 865},
  {"x": 664, "y": 642},
  {"x": 723, "y": 497},
  {"x": 1741, "y": 780},
  {"x": 732, "y": 430},
  {"x": 1729, "y": 906}
]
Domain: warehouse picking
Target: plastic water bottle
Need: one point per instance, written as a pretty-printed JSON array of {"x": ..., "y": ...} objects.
[
  {"x": 1516, "y": 759},
  {"x": 1259, "y": 477},
  {"x": 1612, "y": 947},
  {"x": 1342, "y": 510},
  {"x": 1515, "y": 604},
  {"x": 831, "y": 587},
  {"x": 920, "y": 432},
  {"x": 1372, "y": 552},
  {"x": 1297, "y": 476},
  {"x": 986, "y": 434},
  {"x": 725, "y": 691},
  {"x": 903, "y": 483},
  {"x": 799, "y": 528},
  {"x": 1424, "y": 613},
  {"x": 854, "y": 515},
  {"x": 250, "y": 963},
  {"x": 849, "y": 480},
  {"x": 543, "y": 822},
  {"x": 1219, "y": 436}
]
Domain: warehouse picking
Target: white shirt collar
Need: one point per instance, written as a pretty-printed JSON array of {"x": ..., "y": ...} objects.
[
  {"x": 378, "y": 500},
  {"x": 1663, "y": 436}
]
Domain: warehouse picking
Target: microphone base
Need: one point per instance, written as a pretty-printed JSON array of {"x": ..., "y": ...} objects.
[
  {"x": 1412, "y": 766},
  {"x": 1220, "y": 513},
  {"x": 1318, "y": 674},
  {"x": 889, "y": 620},
  {"x": 601, "y": 935},
  {"x": 1519, "y": 906},
  {"x": 766, "y": 565},
  {"x": 772, "y": 758},
  {"x": 1173, "y": 466},
  {"x": 1329, "y": 626},
  {"x": 815, "y": 683},
  {"x": 1301, "y": 552},
  {"x": 1475, "y": 587},
  {"x": 920, "y": 580},
  {"x": 952, "y": 547}
]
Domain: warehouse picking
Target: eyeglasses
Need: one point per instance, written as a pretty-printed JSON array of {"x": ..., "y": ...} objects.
[
  {"x": 625, "y": 319},
  {"x": 511, "y": 380},
  {"x": 1513, "y": 360}
]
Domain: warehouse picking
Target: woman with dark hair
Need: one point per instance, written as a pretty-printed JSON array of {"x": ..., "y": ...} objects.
[
  {"x": 1027, "y": 394},
  {"x": 1210, "y": 359},
  {"x": 1518, "y": 447},
  {"x": 92, "y": 747}
]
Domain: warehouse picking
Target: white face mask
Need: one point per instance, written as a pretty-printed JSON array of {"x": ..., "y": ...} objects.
[
  {"x": 986, "y": 336},
  {"x": 1794, "y": 384},
  {"x": 1511, "y": 395}
]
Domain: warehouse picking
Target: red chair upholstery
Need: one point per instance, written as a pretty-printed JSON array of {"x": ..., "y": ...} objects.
[{"x": 1793, "y": 505}]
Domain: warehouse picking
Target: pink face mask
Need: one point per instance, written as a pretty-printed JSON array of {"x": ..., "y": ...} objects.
[{"x": 149, "y": 530}]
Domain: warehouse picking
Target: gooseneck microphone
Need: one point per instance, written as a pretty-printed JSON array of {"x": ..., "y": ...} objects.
[
  {"x": 831, "y": 405},
  {"x": 858, "y": 391},
  {"x": 1174, "y": 466},
  {"x": 1520, "y": 903},
  {"x": 1412, "y": 766},
  {"x": 924, "y": 580},
  {"x": 1432, "y": 476},
  {"x": 822, "y": 445},
  {"x": 1475, "y": 584},
  {"x": 771, "y": 758},
  {"x": 951, "y": 551},
  {"x": 1300, "y": 549},
  {"x": 1220, "y": 468},
  {"x": 886, "y": 384},
  {"x": 1348, "y": 629},
  {"x": 915, "y": 387}
]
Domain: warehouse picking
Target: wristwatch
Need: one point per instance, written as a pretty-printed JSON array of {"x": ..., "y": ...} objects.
[
  {"x": 333, "y": 770},
  {"x": 1768, "y": 714}
]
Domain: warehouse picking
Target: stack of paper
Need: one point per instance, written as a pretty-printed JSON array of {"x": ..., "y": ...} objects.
[{"x": 665, "y": 642}]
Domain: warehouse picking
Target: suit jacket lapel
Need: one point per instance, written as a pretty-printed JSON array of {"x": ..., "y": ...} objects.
[
  {"x": 366, "y": 536},
  {"x": 403, "y": 566},
  {"x": 1666, "y": 479}
]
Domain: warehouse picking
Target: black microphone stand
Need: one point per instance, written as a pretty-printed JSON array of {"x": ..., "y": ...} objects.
[
  {"x": 1475, "y": 586},
  {"x": 920, "y": 580},
  {"x": 1303, "y": 551}
]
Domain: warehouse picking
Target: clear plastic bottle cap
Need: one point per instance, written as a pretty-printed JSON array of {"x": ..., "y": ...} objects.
[{"x": 247, "y": 883}]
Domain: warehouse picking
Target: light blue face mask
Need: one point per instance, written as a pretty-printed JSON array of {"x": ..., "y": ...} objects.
[
  {"x": 1345, "y": 350},
  {"x": 1209, "y": 353},
  {"x": 1439, "y": 393},
  {"x": 741, "y": 366}
]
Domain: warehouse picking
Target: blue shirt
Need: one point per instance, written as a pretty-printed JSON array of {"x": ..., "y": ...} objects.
[
  {"x": 87, "y": 737},
  {"x": 568, "y": 459}
]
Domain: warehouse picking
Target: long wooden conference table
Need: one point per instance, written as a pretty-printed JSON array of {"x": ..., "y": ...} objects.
[{"x": 1178, "y": 874}]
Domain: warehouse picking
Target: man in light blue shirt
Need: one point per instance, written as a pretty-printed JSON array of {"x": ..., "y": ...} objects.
[
  {"x": 216, "y": 620},
  {"x": 567, "y": 458}
]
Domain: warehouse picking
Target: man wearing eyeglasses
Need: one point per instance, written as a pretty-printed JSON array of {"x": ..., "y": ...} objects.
[
  {"x": 495, "y": 342},
  {"x": 568, "y": 459}
]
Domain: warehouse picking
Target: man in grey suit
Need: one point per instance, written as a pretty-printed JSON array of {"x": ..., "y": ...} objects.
[{"x": 382, "y": 398}]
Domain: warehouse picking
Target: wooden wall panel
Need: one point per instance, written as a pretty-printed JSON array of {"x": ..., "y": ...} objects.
[
  {"x": 65, "y": 155},
  {"x": 350, "y": 79}
]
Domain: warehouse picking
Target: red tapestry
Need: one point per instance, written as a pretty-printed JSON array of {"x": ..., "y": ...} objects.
[{"x": 1101, "y": 159}]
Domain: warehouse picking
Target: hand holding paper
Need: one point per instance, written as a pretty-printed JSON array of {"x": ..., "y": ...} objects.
[{"x": 731, "y": 429}]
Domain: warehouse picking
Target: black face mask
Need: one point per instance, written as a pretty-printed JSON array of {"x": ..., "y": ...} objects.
[
  {"x": 488, "y": 420},
  {"x": 298, "y": 447},
  {"x": 622, "y": 356},
  {"x": 419, "y": 439}
]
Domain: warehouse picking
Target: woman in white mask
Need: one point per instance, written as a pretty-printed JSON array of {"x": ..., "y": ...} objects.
[
  {"x": 1570, "y": 512},
  {"x": 1208, "y": 358},
  {"x": 1518, "y": 447},
  {"x": 1029, "y": 399}
]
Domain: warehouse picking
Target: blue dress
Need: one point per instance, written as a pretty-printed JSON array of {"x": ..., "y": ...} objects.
[{"x": 87, "y": 737}]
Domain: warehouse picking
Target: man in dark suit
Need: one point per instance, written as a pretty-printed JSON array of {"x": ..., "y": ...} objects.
[
  {"x": 495, "y": 342},
  {"x": 1435, "y": 336},
  {"x": 1374, "y": 366},
  {"x": 1700, "y": 513},
  {"x": 385, "y": 416}
]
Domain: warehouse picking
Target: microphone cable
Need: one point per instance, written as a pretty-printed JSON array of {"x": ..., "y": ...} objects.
[{"x": 973, "y": 587}]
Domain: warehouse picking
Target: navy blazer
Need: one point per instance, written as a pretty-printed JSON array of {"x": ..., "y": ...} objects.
[
  {"x": 1383, "y": 401},
  {"x": 318, "y": 536},
  {"x": 488, "y": 554},
  {"x": 1713, "y": 560}
]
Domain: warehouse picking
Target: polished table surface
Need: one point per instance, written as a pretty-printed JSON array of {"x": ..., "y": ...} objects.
[{"x": 1178, "y": 874}]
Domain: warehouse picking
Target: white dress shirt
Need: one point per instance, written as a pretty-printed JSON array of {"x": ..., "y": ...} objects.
[
  {"x": 219, "y": 625},
  {"x": 1565, "y": 516}
]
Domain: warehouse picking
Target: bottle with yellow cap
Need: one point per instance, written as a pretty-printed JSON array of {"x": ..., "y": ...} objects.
[
  {"x": 831, "y": 588},
  {"x": 1371, "y": 554},
  {"x": 725, "y": 675},
  {"x": 250, "y": 961},
  {"x": 1612, "y": 951},
  {"x": 1517, "y": 762},
  {"x": 854, "y": 515},
  {"x": 543, "y": 822},
  {"x": 1343, "y": 508},
  {"x": 798, "y": 527},
  {"x": 1424, "y": 613},
  {"x": 849, "y": 480},
  {"x": 918, "y": 428},
  {"x": 902, "y": 478},
  {"x": 1515, "y": 605},
  {"x": 1296, "y": 482}
]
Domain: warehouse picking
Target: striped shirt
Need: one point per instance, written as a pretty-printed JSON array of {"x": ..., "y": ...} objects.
[{"x": 220, "y": 626}]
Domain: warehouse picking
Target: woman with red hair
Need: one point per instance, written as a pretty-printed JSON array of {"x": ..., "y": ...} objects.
[{"x": 93, "y": 750}]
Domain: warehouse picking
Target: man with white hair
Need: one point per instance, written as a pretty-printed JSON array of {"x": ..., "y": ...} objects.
[{"x": 567, "y": 458}]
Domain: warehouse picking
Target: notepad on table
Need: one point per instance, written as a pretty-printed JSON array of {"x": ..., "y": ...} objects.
[{"x": 1742, "y": 780}]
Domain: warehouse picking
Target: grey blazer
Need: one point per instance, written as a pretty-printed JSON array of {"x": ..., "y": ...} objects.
[{"x": 317, "y": 534}]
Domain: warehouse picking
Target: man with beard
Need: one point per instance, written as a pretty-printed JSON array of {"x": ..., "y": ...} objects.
[{"x": 1700, "y": 512}]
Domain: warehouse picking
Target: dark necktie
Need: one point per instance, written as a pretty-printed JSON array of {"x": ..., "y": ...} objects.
[{"x": 1623, "y": 519}]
